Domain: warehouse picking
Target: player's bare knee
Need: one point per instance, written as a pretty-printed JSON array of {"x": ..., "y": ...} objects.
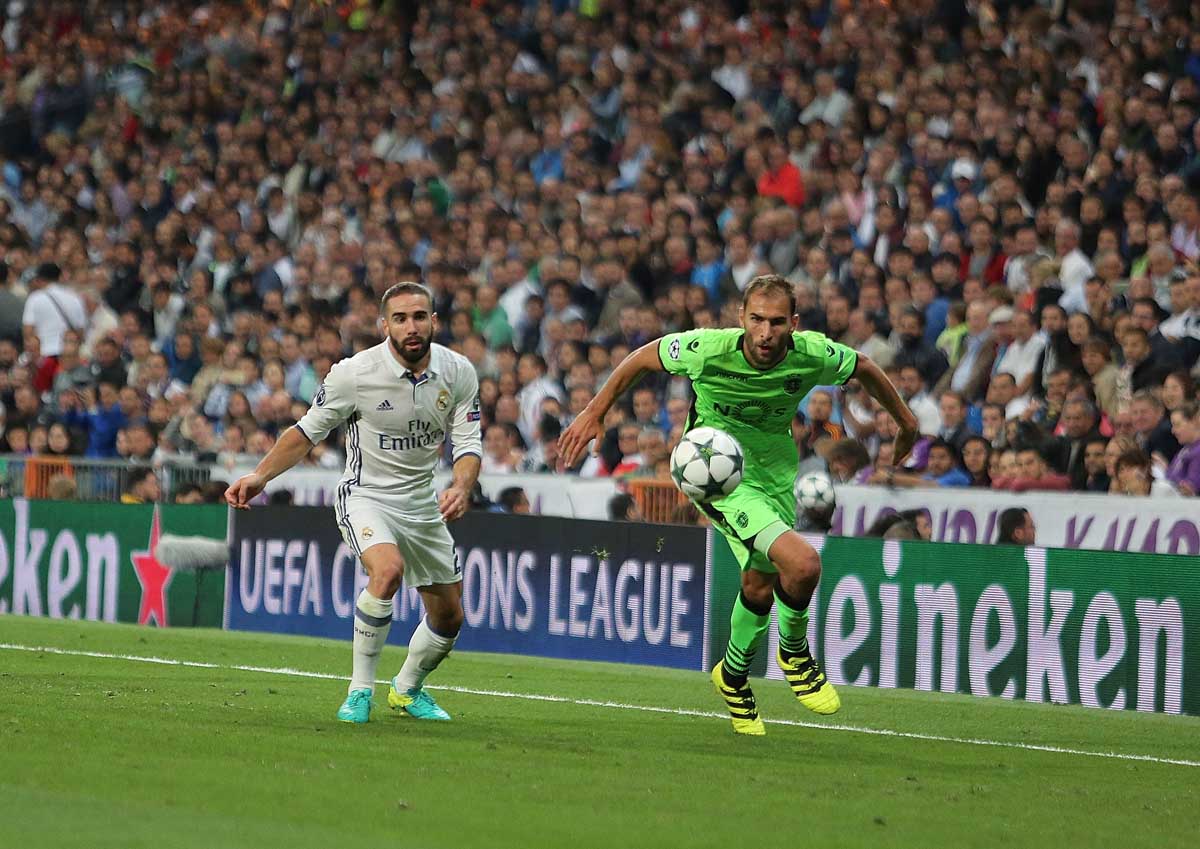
[
  {"x": 797, "y": 561},
  {"x": 386, "y": 577},
  {"x": 448, "y": 622},
  {"x": 758, "y": 588}
]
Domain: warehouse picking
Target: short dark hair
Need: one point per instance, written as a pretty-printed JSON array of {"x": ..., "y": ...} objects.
[
  {"x": 405, "y": 288},
  {"x": 1010, "y": 519},
  {"x": 1133, "y": 457},
  {"x": 136, "y": 475},
  {"x": 619, "y": 506},
  {"x": 948, "y": 447},
  {"x": 509, "y": 497},
  {"x": 771, "y": 284}
]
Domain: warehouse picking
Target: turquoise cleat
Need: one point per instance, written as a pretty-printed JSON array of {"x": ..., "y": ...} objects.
[
  {"x": 417, "y": 704},
  {"x": 356, "y": 708}
]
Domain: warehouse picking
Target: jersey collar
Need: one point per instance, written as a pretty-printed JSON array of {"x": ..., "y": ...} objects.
[
  {"x": 791, "y": 346},
  {"x": 431, "y": 371}
]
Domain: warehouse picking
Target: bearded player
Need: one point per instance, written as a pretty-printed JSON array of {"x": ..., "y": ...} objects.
[
  {"x": 399, "y": 399},
  {"x": 748, "y": 382}
]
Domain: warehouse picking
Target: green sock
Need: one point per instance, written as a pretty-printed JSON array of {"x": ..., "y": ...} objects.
[
  {"x": 747, "y": 629},
  {"x": 793, "y": 625}
]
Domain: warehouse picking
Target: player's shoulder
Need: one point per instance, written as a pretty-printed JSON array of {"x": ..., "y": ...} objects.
[
  {"x": 710, "y": 340},
  {"x": 812, "y": 343},
  {"x": 364, "y": 362},
  {"x": 450, "y": 363}
]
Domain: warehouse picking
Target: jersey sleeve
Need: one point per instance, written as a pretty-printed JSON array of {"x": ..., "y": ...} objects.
[
  {"x": 464, "y": 421},
  {"x": 837, "y": 361},
  {"x": 684, "y": 353},
  {"x": 334, "y": 402}
]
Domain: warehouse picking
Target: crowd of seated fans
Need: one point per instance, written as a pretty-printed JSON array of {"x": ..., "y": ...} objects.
[{"x": 998, "y": 201}]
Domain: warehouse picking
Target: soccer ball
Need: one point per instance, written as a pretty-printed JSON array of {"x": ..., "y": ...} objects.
[
  {"x": 814, "y": 491},
  {"x": 706, "y": 464}
]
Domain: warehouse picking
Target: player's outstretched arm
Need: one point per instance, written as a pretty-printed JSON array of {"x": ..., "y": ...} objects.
[
  {"x": 877, "y": 384},
  {"x": 287, "y": 452},
  {"x": 589, "y": 425}
]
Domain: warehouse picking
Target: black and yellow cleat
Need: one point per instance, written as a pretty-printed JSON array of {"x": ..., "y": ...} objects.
[
  {"x": 808, "y": 682},
  {"x": 743, "y": 710}
]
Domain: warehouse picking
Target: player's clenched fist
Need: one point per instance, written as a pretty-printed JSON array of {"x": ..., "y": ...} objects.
[{"x": 242, "y": 490}]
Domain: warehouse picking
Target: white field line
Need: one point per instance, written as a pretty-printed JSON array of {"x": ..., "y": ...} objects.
[{"x": 538, "y": 697}]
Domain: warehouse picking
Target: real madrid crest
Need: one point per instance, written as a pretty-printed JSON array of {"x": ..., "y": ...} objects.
[
  {"x": 443, "y": 400},
  {"x": 367, "y": 533}
]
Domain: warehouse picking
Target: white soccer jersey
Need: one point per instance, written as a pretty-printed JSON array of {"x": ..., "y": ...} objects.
[{"x": 396, "y": 424}]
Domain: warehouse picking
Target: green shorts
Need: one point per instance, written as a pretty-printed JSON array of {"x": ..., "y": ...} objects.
[{"x": 751, "y": 520}]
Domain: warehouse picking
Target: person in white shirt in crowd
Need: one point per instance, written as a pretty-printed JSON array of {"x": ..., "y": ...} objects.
[
  {"x": 1074, "y": 267},
  {"x": 1023, "y": 352},
  {"x": 912, "y": 389},
  {"x": 535, "y": 386},
  {"x": 52, "y": 309}
]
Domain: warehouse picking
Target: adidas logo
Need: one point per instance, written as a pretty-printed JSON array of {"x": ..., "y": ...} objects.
[{"x": 385, "y": 405}]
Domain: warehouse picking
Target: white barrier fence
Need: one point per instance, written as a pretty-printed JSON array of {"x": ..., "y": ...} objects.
[
  {"x": 1063, "y": 520},
  {"x": 549, "y": 495}
]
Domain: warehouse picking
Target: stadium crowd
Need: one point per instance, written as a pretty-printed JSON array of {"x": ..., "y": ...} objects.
[{"x": 997, "y": 201}]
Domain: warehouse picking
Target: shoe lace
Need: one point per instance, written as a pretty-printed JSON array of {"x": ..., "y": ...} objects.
[
  {"x": 358, "y": 697},
  {"x": 424, "y": 700}
]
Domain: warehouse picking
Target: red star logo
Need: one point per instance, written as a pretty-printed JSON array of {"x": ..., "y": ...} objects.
[{"x": 154, "y": 577}]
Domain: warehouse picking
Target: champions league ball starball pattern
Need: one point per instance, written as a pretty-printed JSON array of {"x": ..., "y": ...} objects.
[
  {"x": 814, "y": 491},
  {"x": 706, "y": 464}
]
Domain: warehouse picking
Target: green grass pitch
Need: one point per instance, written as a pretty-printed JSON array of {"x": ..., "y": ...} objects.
[{"x": 106, "y": 752}]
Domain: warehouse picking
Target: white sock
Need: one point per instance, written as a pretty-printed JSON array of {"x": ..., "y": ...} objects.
[
  {"x": 425, "y": 651},
  {"x": 372, "y": 621}
]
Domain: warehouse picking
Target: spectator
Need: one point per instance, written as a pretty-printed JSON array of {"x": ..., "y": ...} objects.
[
  {"x": 820, "y": 413},
  {"x": 189, "y": 493},
  {"x": 512, "y": 499},
  {"x": 1021, "y": 357},
  {"x": 1184, "y": 470},
  {"x": 1152, "y": 428},
  {"x": 970, "y": 376},
  {"x": 846, "y": 458},
  {"x": 919, "y": 519},
  {"x": 653, "y": 457},
  {"x": 622, "y": 508},
  {"x": 953, "y": 412},
  {"x": 1074, "y": 266},
  {"x": 498, "y": 454},
  {"x": 12, "y": 307},
  {"x": 1094, "y": 462},
  {"x": 141, "y": 486},
  {"x": 977, "y": 460},
  {"x": 62, "y": 488},
  {"x": 1079, "y": 421},
  {"x": 941, "y": 469},
  {"x": 98, "y": 414},
  {"x": 1178, "y": 389},
  {"x": 1016, "y": 527},
  {"x": 1031, "y": 473},
  {"x": 51, "y": 310},
  {"x": 1096, "y": 358},
  {"x": 913, "y": 350},
  {"x": 911, "y": 386},
  {"x": 1134, "y": 477}
]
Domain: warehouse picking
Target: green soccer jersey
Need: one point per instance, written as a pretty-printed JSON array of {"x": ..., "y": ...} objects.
[{"x": 755, "y": 406}]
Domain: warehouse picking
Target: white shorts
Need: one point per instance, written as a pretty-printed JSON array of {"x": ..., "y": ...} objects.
[{"x": 427, "y": 547}]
